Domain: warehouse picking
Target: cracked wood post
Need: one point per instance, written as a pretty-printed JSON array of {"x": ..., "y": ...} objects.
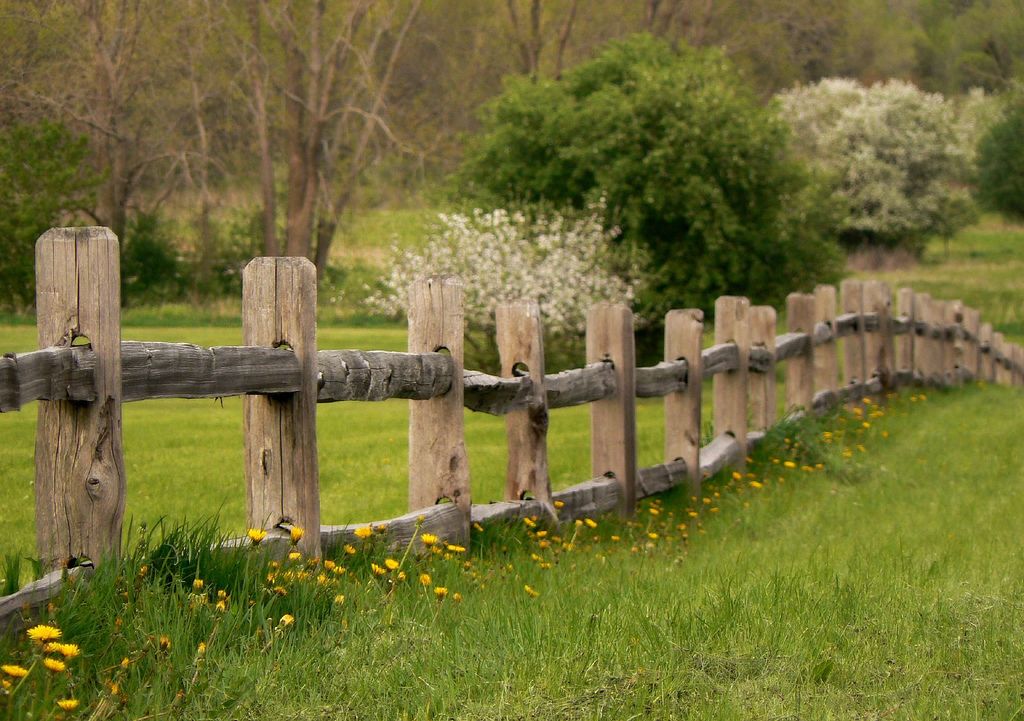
[
  {"x": 800, "y": 311},
  {"x": 684, "y": 331},
  {"x": 972, "y": 352},
  {"x": 521, "y": 343},
  {"x": 878, "y": 345},
  {"x": 986, "y": 369},
  {"x": 281, "y": 465},
  {"x": 928, "y": 353},
  {"x": 730, "y": 388},
  {"x": 80, "y": 480},
  {"x": 904, "y": 345},
  {"x": 826, "y": 365},
  {"x": 999, "y": 349},
  {"x": 851, "y": 297},
  {"x": 763, "y": 408},
  {"x": 955, "y": 345},
  {"x": 613, "y": 419},
  {"x": 438, "y": 464}
]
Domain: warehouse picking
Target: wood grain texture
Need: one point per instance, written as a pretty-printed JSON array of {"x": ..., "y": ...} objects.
[
  {"x": 826, "y": 361},
  {"x": 792, "y": 345},
  {"x": 588, "y": 499},
  {"x": 54, "y": 374},
  {"x": 851, "y": 299},
  {"x": 730, "y": 389},
  {"x": 723, "y": 451},
  {"x": 445, "y": 520},
  {"x": 903, "y": 347},
  {"x": 613, "y": 419},
  {"x": 511, "y": 512},
  {"x": 495, "y": 395},
  {"x": 972, "y": 329},
  {"x": 576, "y": 387},
  {"x": 23, "y": 608},
  {"x": 438, "y": 463},
  {"x": 719, "y": 358},
  {"x": 374, "y": 375},
  {"x": 847, "y": 324},
  {"x": 986, "y": 366},
  {"x": 762, "y": 384},
  {"x": 684, "y": 331},
  {"x": 281, "y": 465},
  {"x": 80, "y": 480},
  {"x": 520, "y": 337},
  {"x": 878, "y": 344},
  {"x": 666, "y": 377},
  {"x": 956, "y": 344},
  {"x": 800, "y": 318},
  {"x": 661, "y": 477}
]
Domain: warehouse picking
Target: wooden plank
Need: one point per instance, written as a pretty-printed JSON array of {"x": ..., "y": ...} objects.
[
  {"x": 23, "y": 607},
  {"x": 54, "y": 374},
  {"x": 954, "y": 345},
  {"x": 80, "y": 480},
  {"x": 761, "y": 360},
  {"x": 662, "y": 379},
  {"x": 281, "y": 465},
  {"x": 719, "y": 358},
  {"x": 972, "y": 354},
  {"x": 904, "y": 347},
  {"x": 576, "y": 387},
  {"x": 445, "y": 520},
  {"x": 999, "y": 348},
  {"x": 800, "y": 317},
  {"x": 661, "y": 477},
  {"x": 357, "y": 375},
  {"x": 792, "y": 345},
  {"x": 730, "y": 389},
  {"x": 684, "y": 330},
  {"x": 723, "y": 451},
  {"x": 520, "y": 338},
  {"x": 438, "y": 464},
  {"x": 986, "y": 366},
  {"x": 826, "y": 363},
  {"x": 824, "y": 401},
  {"x": 510, "y": 512},
  {"x": 847, "y": 324},
  {"x": 851, "y": 299},
  {"x": 878, "y": 345},
  {"x": 493, "y": 394},
  {"x": 762, "y": 385},
  {"x": 588, "y": 499},
  {"x": 613, "y": 420}
]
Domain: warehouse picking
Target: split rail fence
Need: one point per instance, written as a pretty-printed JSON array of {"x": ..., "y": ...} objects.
[{"x": 80, "y": 484}]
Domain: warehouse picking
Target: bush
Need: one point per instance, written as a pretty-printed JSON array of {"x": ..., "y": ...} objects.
[
  {"x": 894, "y": 154},
  {"x": 693, "y": 168},
  {"x": 565, "y": 264},
  {"x": 43, "y": 180},
  {"x": 1001, "y": 163},
  {"x": 150, "y": 269}
]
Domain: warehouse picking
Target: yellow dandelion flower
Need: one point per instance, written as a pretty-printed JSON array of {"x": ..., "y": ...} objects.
[
  {"x": 391, "y": 563},
  {"x": 692, "y": 514},
  {"x": 530, "y": 591},
  {"x": 756, "y": 484},
  {"x": 559, "y": 504},
  {"x": 350, "y": 549},
  {"x": 440, "y": 592},
  {"x": 256, "y": 535},
  {"x": 114, "y": 689},
  {"x": 197, "y": 585},
  {"x": 67, "y": 650},
  {"x": 714, "y": 509},
  {"x": 294, "y": 556},
  {"x": 428, "y": 539},
  {"x": 544, "y": 543},
  {"x": 165, "y": 643},
  {"x": 541, "y": 534},
  {"x": 377, "y": 570},
  {"x": 737, "y": 476},
  {"x": 591, "y": 523},
  {"x": 653, "y": 511},
  {"x": 529, "y": 523},
  {"x": 455, "y": 549},
  {"x": 477, "y": 527},
  {"x": 43, "y": 633},
  {"x": 201, "y": 649},
  {"x": 425, "y": 579},
  {"x": 68, "y": 704},
  {"x": 457, "y": 597},
  {"x": 339, "y": 599},
  {"x": 14, "y": 671},
  {"x": 364, "y": 532},
  {"x": 789, "y": 464},
  {"x": 402, "y": 576},
  {"x": 125, "y": 662},
  {"x": 221, "y": 606},
  {"x": 287, "y": 620},
  {"x": 296, "y": 534},
  {"x": 653, "y": 536},
  {"x": 330, "y": 565},
  {"x": 55, "y": 665},
  {"x": 322, "y": 579},
  {"x": 280, "y": 590},
  {"x": 616, "y": 538}
]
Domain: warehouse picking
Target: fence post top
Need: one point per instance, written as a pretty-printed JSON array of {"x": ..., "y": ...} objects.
[
  {"x": 441, "y": 279},
  {"x": 293, "y": 260},
  {"x": 88, "y": 232},
  {"x": 693, "y": 313}
]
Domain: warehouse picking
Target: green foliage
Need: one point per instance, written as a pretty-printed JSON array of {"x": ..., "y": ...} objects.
[
  {"x": 1001, "y": 163},
  {"x": 43, "y": 181},
  {"x": 150, "y": 269},
  {"x": 690, "y": 164}
]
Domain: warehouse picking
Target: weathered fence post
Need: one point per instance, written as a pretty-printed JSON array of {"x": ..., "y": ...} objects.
[
  {"x": 438, "y": 464},
  {"x": 826, "y": 365},
  {"x": 520, "y": 339},
  {"x": 904, "y": 347},
  {"x": 730, "y": 388},
  {"x": 851, "y": 297},
  {"x": 972, "y": 355},
  {"x": 281, "y": 466},
  {"x": 986, "y": 368},
  {"x": 800, "y": 312},
  {"x": 878, "y": 345},
  {"x": 999, "y": 348},
  {"x": 954, "y": 321},
  {"x": 763, "y": 407},
  {"x": 613, "y": 419},
  {"x": 80, "y": 480},
  {"x": 684, "y": 330}
]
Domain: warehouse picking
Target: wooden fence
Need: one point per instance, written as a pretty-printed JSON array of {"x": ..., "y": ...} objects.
[{"x": 80, "y": 480}]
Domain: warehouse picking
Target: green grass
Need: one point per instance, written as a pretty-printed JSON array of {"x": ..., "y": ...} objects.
[{"x": 888, "y": 586}]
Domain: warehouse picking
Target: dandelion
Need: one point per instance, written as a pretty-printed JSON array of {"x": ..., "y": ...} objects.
[
  {"x": 68, "y": 704},
  {"x": 653, "y": 536},
  {"x": 350, "y": 549},
  {"x": 789, "y": 464},
  {"x": 377, "y": 570},
  {"x": 14, "y": 671},
  {"x": 55, "y": 665},
  {"x": 256, "y": 535},
  {"x": 457, "y": 597},
  {"x": 125, "y": 662},
  {"x": 692, "y": 514},
  {"x": 43, "y": 633},
  {"x": 364, "y": 532},
  {"x": 339, "y": 599},
  {"x": 425, "y": 579},
  {"x": 428, "y": 539},
  {"x": 530, "y": 591},
  {"x": 616, "y": 538},
  {"x": 165, "y": 643},
  {"x": 287, "y": 620},
  {"x": 296, "y": 534},
  {"x": 591, "y": 523},
  {"x": 197, "y": 585},
  {"x": 541, "y": 534},
  {"x": 402, "y": 576},
  {"x": 455, "y": 549},
  {"x": 477, "y": 527},
  {"x": 559, "y": 504},
  {"x": 201, "y": 649},
  {"x": 221, "y": 606},
  {"x": 294, "y": 556},
  {"x": 653, "y": 511},
  {"x": 529, "y": 523},
  {"x": 737, "y": 476},
  {"x": 391, "y": 563},
  {"x": 67, "y": 650},
  {"x": 280, "y": 590},
  {"x": 440, "y": 592},
  {"x": 756, "y": 484}
]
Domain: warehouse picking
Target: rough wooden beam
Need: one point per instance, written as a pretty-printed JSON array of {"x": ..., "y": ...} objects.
[
  {"x": 662, "y": 379},
  {"x": 588, "y": 499},
  {"x": 509, "y": 512},
  {"x": 356, "y": 375},
  {"x": 444, "y": 520},
  {"x": 851, "y": 298},
  {"x": 800, "y": 311},
  {"x": 791, "y": 345},
  {"x": 723, "y": 451},
  {"x": 579, "y": 386},
  {"x": 730, "y": 389},
  {"x": 719, "y": 358},
  {"x": 762, "y": 385},
  {"x": 847, "y": 324},
  {"x": 53, "y": 374},
  {"x": 878, "y": 345},
  {"x": 661, "y": 477},
  {"x": 762, "y": 360},
  {"x": 826, "y": 364},
  {"x": 23, "y": 607},
  {"x": 494, "y": 394}
]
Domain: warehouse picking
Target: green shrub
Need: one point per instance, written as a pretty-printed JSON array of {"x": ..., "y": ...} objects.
[
  {"x": 150, "y": 269},
  {"x": 1001, "y": 163},
  {"x": 692, "y": 168}
]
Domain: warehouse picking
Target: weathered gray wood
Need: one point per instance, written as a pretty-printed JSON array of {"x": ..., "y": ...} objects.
[
  {"x": 588, "y": 499},
  {"x": 662, "y": 379},
  {"x": 684, "y": 331},
  {"x": 826, "y": 364},
  {"x": 613, "y": 420},
  {"x": 495, "y": 395},
  {"x": 281, "y": 465},
  {"x": 901, "y": 324},
  {"x": 53, "y": 374},
  {"x": 754, "y": 439},
  {"x": 719, "y": 358},
  {"x": 847, "y": 324},
  {"x": 661, "y": 477},
  {"x": 824, "y": 401},
  {"x": 444, "y": 520},
  {"x": 576, "y": 387},
  {"x": 80, "y": 480},
  {"x": 878, "y": 345},
  {"x": 520, "y": 338},
  {"x": 972, "y": 329},
  {"x": 871, "y": 319},
  {"x": 23, "y": 607},
  {"x": 904, "y": 346},
  {"x": 730, "y": 389},
  {"x": 438, "y": 464},
  {"x": 723, "y": 451},
  {"x": 762, "y": 385},
  {"x": 987, "y": 367},
  {"x": 356, "y": 375},
  {"x": 800, "y": 317},
  {"x": 792, "y": 345},
  {"x": 762, "y": 360},
  {"x": 822, "y": 333},
  {"x": 904, "y": 377},
  {"x": 509, "y": 512},
  {"x": 851, "y": 299},
  {"x": 954, "y": 345}
]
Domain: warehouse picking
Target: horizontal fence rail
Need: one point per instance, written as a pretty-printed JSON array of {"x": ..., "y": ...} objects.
[{"x": 84, "y": 372}]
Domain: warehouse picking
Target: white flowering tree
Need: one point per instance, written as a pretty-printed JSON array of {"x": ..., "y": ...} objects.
[
  {"x": 899, "y": 158},
  {"x": 565, "y": 264}
]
